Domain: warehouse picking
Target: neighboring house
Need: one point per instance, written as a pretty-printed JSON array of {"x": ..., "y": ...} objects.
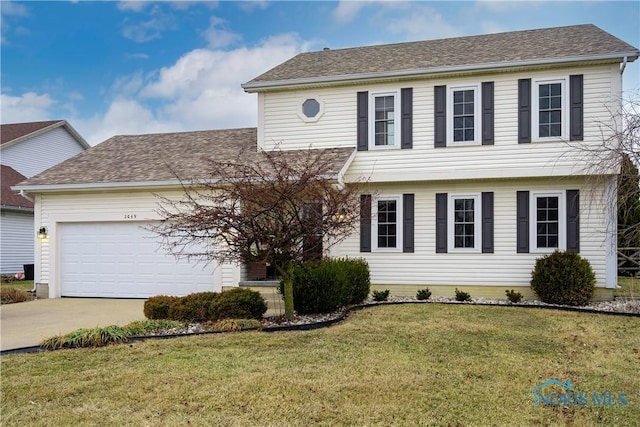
[
  {"x": 471, "y": 147},
  {"x": 27, "y": 149},
  {"x": 16, "y": 224}
]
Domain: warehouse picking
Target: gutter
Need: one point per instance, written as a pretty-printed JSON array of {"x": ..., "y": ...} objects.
[
  {"x": 274, "y": 84},
  {"x": 45, "y": 188}
]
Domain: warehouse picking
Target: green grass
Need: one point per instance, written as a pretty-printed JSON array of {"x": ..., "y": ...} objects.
[
  {"x": 424, "y": 364},
  {"x": 25, "y": 285},
  {"x": 629, "y": 287}
]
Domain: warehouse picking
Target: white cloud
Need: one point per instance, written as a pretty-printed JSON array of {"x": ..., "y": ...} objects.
[
  {"x": 29, "y": 107},
  {"x": 251, "y": 5},
  {"x": 347, "y": 10},
  {"x": 144, "y": 31},
  {"x": 217, "y": 36},
  {"x": 124, "y": 117},
  {"x": 200, "y": 91},
  {"x": 422, "y": 24},
  {"x": 133, "y": 6},
  {"x": 10, "y": 8}
]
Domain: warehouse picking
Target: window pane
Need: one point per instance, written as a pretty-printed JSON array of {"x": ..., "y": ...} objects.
[
  {"x": 555, "y": 130},
  {"x": 464, "y": 225},
  {"x": 310, "y": 108},
  {"x": 384, "y": 120},
  {"x": 387, "y": 215},
  {"x": 458, "y": 96},
  {"x": 556, "y": 89},
  {"x": 547, "y": 222},
  {"x": 457, "y": 135},
  {"x": 463, "y": 115},
  {"x": 468, "y": 135}
]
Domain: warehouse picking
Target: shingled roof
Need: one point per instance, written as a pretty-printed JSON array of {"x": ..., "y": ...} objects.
[
  {"x": 573, "y": 43},
  {"x": 9, "y": 198},
  {"x": 158, "y": 158},
  {"x": 12, "y": 133}
]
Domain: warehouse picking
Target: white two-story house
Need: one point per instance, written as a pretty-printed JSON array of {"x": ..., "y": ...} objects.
[{"x": 475, "y": 150}]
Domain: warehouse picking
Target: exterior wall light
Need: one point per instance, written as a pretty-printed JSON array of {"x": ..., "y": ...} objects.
[{"x": 42, "y": 233}]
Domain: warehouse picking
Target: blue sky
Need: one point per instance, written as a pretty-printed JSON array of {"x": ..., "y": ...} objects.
[{"x": 140, "y": 67}]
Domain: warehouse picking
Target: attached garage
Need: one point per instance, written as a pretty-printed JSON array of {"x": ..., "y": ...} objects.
[{"x": 124, "y": 260}]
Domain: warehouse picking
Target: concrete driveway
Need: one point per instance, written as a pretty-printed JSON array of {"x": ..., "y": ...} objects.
[{"x": 25, "y": 324}]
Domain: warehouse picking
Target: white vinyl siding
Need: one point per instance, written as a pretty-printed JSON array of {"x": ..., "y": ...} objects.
[
  {"x": 16, "y": 241},
  {"x": 55, "y": 211},
  {"x": 505, "y": 159},
  {"x": 503, "y": 267},
  {"x": 36, "y": 154}
]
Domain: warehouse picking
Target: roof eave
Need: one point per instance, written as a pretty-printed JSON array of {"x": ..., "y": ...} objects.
[
  {"x": 50, "y": 188},
  {"x": 16, "y": 208},
  {"x": 290, "y": 83}
]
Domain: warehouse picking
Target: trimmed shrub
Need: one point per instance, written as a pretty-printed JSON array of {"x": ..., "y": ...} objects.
[
  {"x": 381, "y": 295},
  {"x": 158, "y": 307},
  {"x": 423, "y": 294},
  {"x": 357, "y": 279},
  {"x": 10, "y": 295},
  {"x": 462, "y": 296},
  {"x": 513, "y": 296},
  {"x": 326, "y": 285},
  {"x": 193, "y": 307},
  {"x": 563, "y": 277},
  {"x": 238, "y": 303}
]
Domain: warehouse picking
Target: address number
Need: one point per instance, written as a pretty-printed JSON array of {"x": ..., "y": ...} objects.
[{"x": 129, "y": 216}]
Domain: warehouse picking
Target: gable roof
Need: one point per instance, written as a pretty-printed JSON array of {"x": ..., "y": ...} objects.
[
  {"x": 519, "y": 48},
  {"x": 13, "y": 133},
  {"x": 156, "y": 159},
  {"x": 9, "y": 198}
]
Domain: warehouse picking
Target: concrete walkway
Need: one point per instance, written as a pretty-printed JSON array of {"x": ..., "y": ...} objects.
[{"x": 27, "y": 323}]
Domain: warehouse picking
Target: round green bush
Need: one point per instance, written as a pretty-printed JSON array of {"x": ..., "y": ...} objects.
[
  {"x": 238, "y": 303},
  {"x": 193, "y": 307},
  {"x": 158, "y": 307},
  {"x": 563, "y": 278}
]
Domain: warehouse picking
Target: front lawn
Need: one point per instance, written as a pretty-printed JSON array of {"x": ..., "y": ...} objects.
[{"x": 389, "y": 365}]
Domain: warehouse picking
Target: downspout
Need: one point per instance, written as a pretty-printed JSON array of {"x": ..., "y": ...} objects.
[
  {"x": 23, "y": 194},
  {"x": 624, "y": 65}
]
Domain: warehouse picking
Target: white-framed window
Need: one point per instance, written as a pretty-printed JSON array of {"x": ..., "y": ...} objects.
[
  {"x": 547, "y": 221},
  {"x": 464, "y": 222},
  {"x": 386, "y": 230},
  {"x": 310, "y": 108},
  {"x": 463, "y": 115},
  {"x": 550, "y": 108},
  {"x": 384, "y": 120}
]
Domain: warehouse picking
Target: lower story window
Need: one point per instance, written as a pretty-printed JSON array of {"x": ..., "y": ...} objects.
[
  {"x": 464, "y": 217},
  {"x": 547, "y": 225},
  {"x": 386, "y": 223}
]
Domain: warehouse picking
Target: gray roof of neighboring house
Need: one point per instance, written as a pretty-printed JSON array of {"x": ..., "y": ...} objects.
[
  {"x": 160, "y": 158},
  {"x": 560, "y": 44},
  {"x": 12, "y": 133}
]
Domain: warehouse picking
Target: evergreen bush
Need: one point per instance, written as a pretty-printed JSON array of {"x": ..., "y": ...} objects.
[{"x": 563, "y": 277}]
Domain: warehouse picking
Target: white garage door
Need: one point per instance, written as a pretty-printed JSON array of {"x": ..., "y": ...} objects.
[{"x": 123, "y": 260}]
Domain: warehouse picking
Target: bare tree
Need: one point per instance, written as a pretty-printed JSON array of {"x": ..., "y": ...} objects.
[
  {"x": 274, "y": 206},
  {"x": 619, "y": 155}
]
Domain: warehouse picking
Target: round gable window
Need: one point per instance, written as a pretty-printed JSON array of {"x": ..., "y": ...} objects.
[{"x": 310, "y": 109}]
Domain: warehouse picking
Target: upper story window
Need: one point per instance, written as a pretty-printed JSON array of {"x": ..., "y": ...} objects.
[
  {"x": 464, "y": 222},
  {"x": 550, "y": 108},
  {"x": 464, "y": 112},
  {"x": 310, "y": 109},
  {"x": 385, "y": 119},
  {"x": 384, "y": 130}
]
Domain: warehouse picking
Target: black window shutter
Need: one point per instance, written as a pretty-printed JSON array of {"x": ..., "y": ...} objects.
[
  {"x": 365, "y": 223},
  {"x": 408, "y": 207},
  {"x": 487, "y": 113},
  {"x": 440, "y": 118},
  {"x": 524, "y": 111},
  {"x": 576, "y": 109},
  {"x": 487, "y": 222},
  {"x": 406, "y": 98},
  {"x": 441, "y": 223},
  {"x": 573, "y": 220},
  {"x": 363, "y": 121},
  {"x": 522, "y": 213}
]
